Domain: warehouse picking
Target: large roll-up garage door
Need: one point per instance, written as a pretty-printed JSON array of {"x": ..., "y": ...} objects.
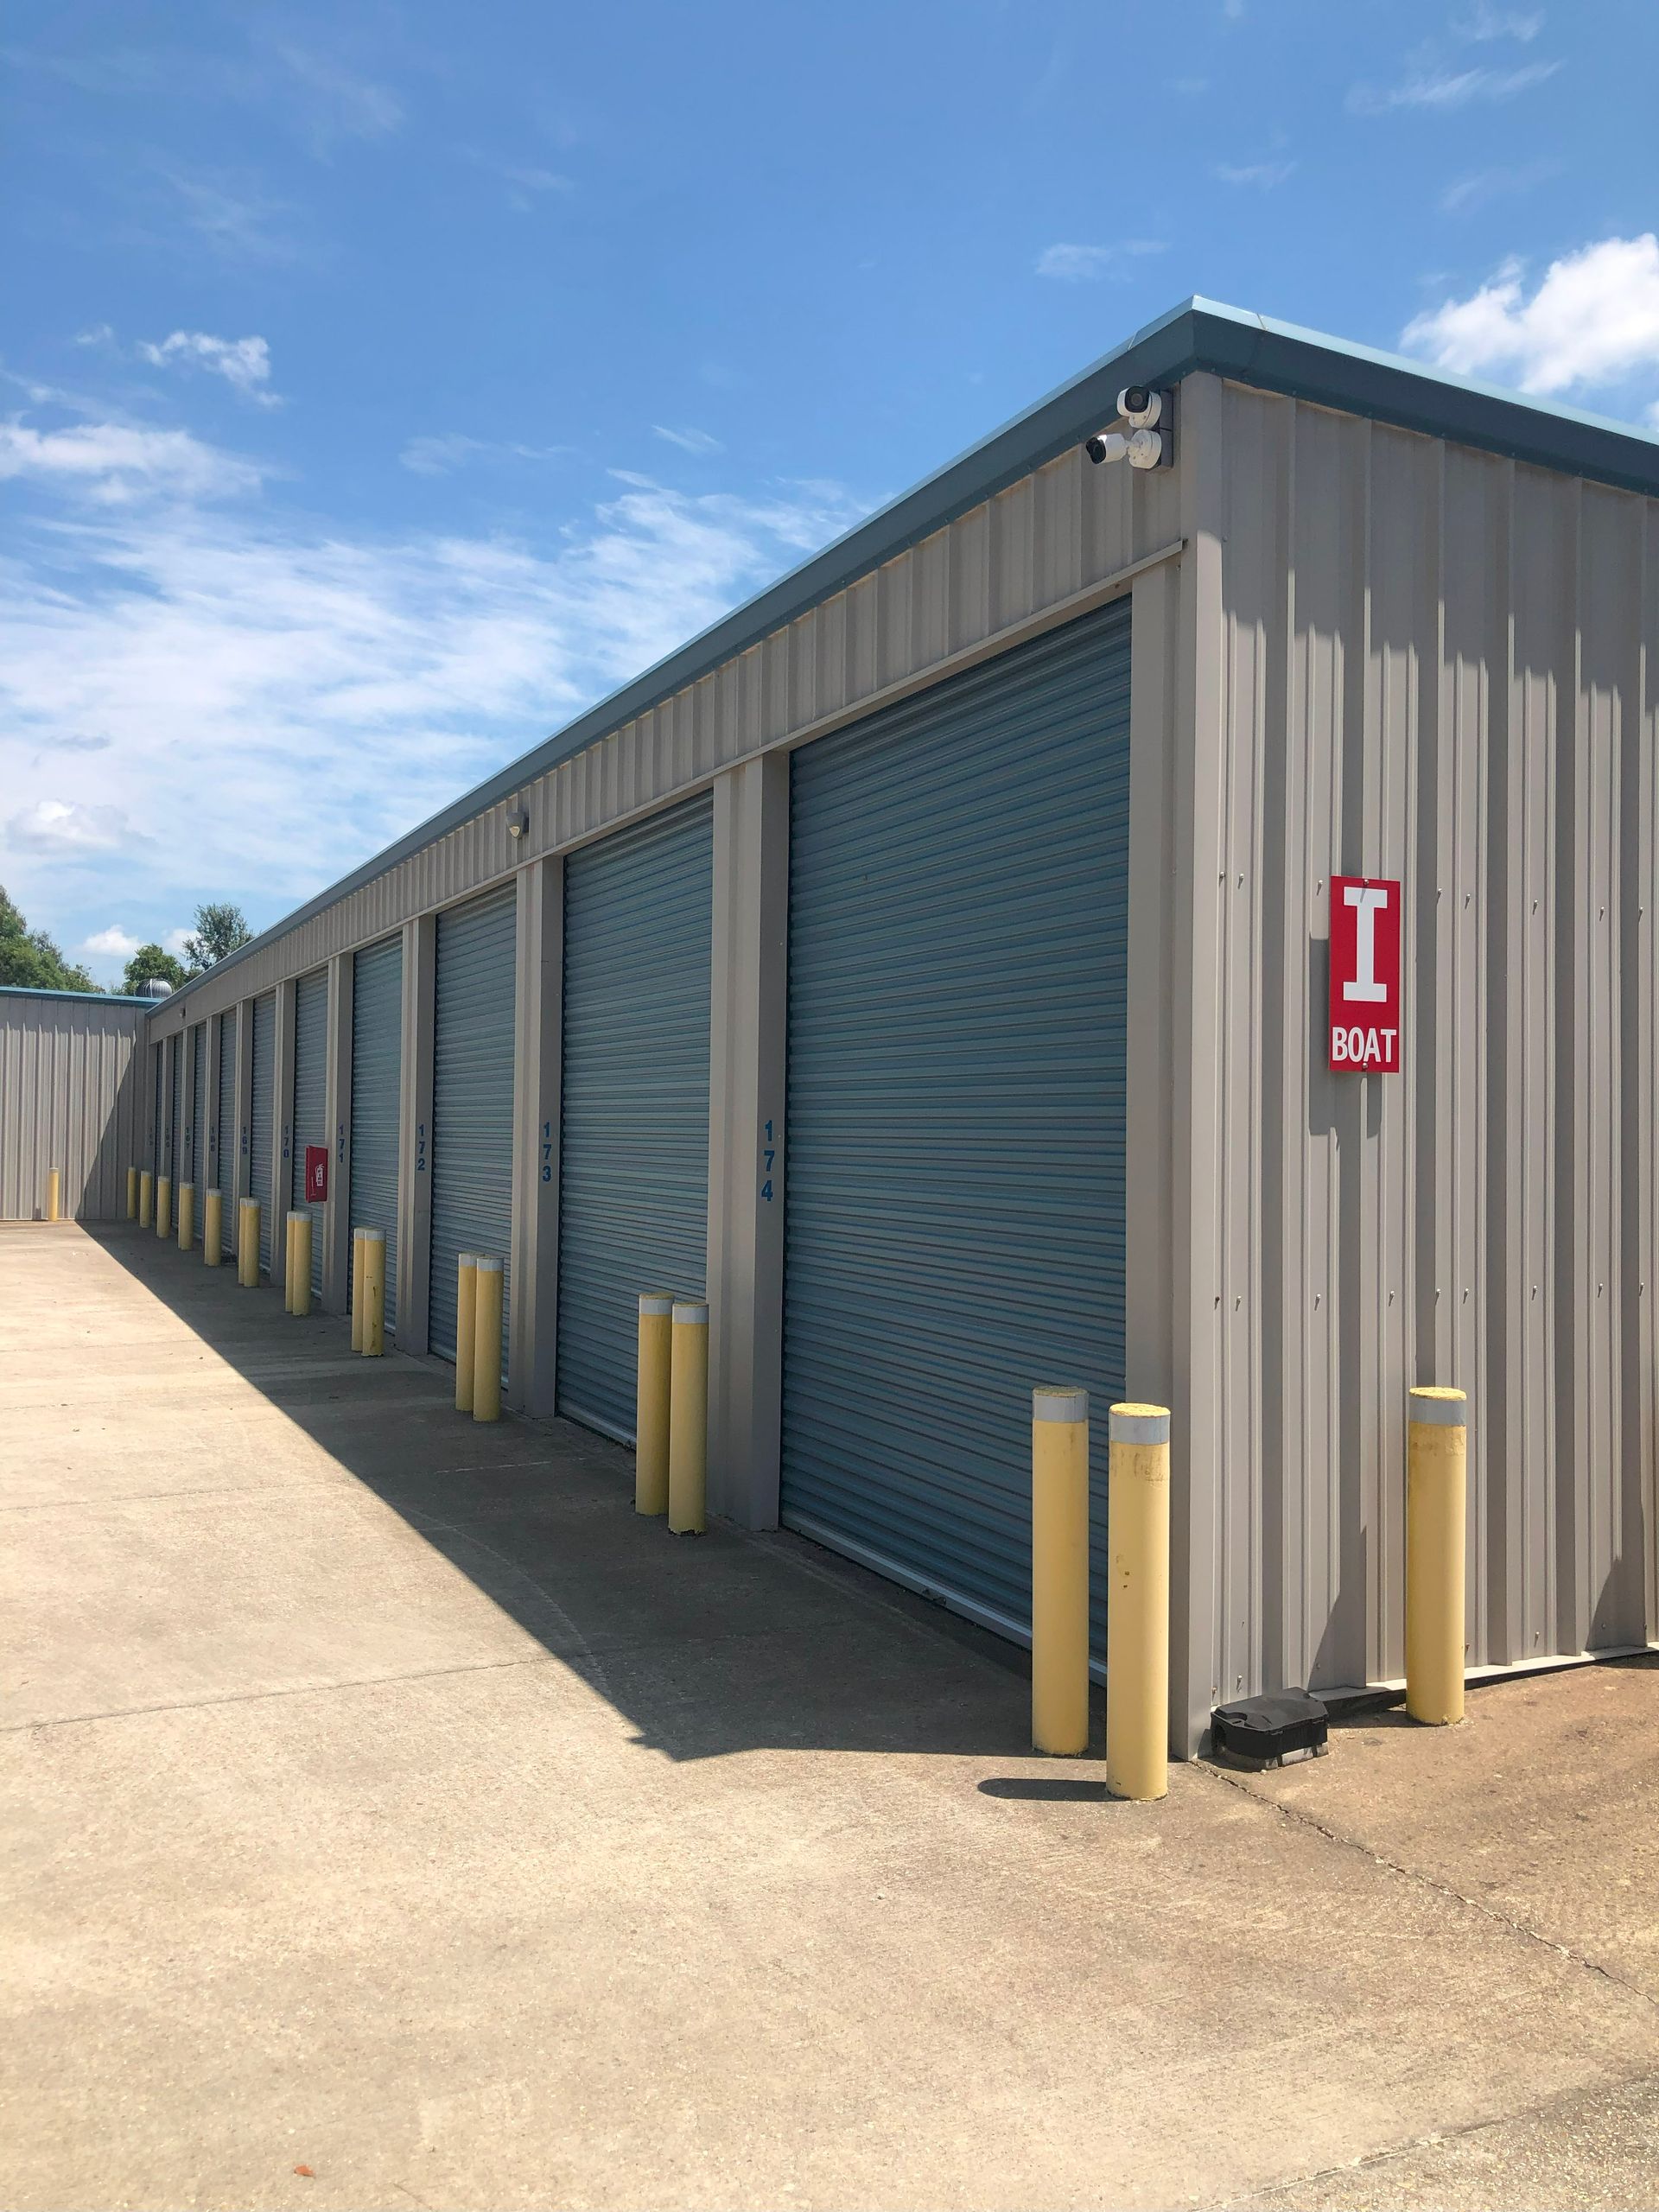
[
  {"x": 472, "y": 1102},
  {"x": 175, "y": 1122},
  {"x": 264, "y": 1084},
  {"x": 310, "y": 1100},
  {"x": 958, "y": 972},
  {"x": 225, "y": 1163},
  {"x": 196, "y": 1171},
  {"x": 633, "y": 1180},
  {"x": 377, "y": 1078}
]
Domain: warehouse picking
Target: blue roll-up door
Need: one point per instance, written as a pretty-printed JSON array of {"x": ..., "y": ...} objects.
[
  {"x": 196, "y": 1171},
  {"x": 174, "y": 1118},
  {"x": 633, "y": 1179},
  {"x": 310, "y": 1100},
  {"x": 958, "y": 980},
  {"x": 377, "y": 1080},
  {"x": 472, "y": 1104},
  {"x": 224, "y": 1164},
  {"x": 259, "y": 1120}
]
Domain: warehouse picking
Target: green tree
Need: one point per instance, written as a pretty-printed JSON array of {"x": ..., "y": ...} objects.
[
  {"x": 220, "y": 931},
  {"x": 147, "y": 962},
  {"x": 29, "y": 957}
]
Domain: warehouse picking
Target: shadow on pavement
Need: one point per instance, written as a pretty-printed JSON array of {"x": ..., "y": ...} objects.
[{"x": 708, "y": 1645}]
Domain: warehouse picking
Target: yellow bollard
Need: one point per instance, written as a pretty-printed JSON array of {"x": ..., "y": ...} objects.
[
  {"x": 1059, "y": 1571},
  {"x": 358, "y": 1234},
  {"x": 486, "y": 1338},
  {"x": 146, "y": 1197},
  {"x": 187, "y": 1216},
  {"x": 213, "y": 1228},
  {"x": 299, "y": 1295},
  {"x": 1437, "y": 1456},
  {"x": 466, "y": 1299},
  {"x": 54, "y": 1194},
  {"x": 688, "y": 1418},
  {"x": 288, "y": 1263},
  {"x": 373, "y": 1285},
  {"x": 650, "y": 1402},
  {"x": 163, "y": 1204},
  {"x": 132, "y": 1194},
  {"x": 1137, "y": 1603},
  {"x": 247, "y": 1244}
]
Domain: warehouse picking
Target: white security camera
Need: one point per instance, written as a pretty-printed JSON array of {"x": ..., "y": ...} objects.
[
  {"x": 518, "y": 821},
  {"x": 1107, "y": 445},
  {"x": 1140, "y": 408},
  {"x": 1146, "y": 447}
]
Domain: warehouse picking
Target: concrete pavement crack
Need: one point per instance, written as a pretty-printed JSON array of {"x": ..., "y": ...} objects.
[{"x": 1449, "y": 1890}]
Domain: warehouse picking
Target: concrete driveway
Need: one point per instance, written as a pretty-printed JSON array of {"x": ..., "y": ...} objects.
[{"x": 391, "y": 1818}]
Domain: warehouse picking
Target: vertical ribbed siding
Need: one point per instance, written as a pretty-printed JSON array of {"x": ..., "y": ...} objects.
[
  {"x": 158, "y": 1111},
  {"x": 260, "y": 1130},
  {"x": 958, "y": 972},
  {"x": 72, "y": 1079},
  {"x": 225, "y": 1163},
  {"x": 310, "y": 1100},
  {"x": 377, "y": 1076},
  {"x": 1436, "y": 665},
  {"x": 197, "y": 1172},
  {"x": 633, "y": 1176},
  {"x": 472, "y": 1102}
]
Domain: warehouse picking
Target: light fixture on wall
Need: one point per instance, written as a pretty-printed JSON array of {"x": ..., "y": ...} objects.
[{"x": 518, "y": 821}]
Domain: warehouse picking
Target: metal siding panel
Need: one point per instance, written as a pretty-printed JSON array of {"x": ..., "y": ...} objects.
[
  {"x": 259, "y": 1120},
  {"x": 158, "y": 1125},
  {"x": 633, "y": 1176},
  {"x": 310, "y": 1101},
  {"x": 174, "y": 1118},
  {"x": 377, "y": 1077},
  {"x": 472, "y": 1102},
  {"x": 72, "y": 1080},
  {"x": 957, "y": 976}
]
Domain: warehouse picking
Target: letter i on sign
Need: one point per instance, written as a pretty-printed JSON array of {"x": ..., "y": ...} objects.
[{"x": 1364, "y": 1012}]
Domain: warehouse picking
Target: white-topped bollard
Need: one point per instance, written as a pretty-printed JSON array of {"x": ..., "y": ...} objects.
[
  {"x": 1437, "y": 1459},
  {"x": 486, "y": 1337},
  {"x": 1137, "y": 1603},
  {"x": 651, "y": 1398},
  {"x": 1059, "y": 1570},
  {"x": 688, "y": 1417}
]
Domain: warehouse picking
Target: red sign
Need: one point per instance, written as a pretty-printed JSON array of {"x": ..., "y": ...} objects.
[
  {"x": 316, "y": 1174},
  {"x": 1364, "y": 976}
]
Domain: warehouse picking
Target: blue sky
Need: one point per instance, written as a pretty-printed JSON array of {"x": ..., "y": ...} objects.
[{"x": 384, "y": 382}]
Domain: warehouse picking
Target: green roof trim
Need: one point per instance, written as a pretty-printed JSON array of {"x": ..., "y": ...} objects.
[
  {"x": 86, "y": 998},
  {"x": 1200, "y": 335}
]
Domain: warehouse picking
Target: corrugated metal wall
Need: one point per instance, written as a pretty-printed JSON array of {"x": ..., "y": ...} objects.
[
  {"x": 1422, "y": 662},
  {"x": 957, "y": 963},
  {"x": 72, "y": 1076},
  {"x": 197, "y": 1171}
]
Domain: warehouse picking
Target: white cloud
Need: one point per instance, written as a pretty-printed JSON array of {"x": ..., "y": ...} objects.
[
  {"x": 175, "y": 942},
  {"x": 688, "y": 441},
  {"x": 526, "y": 183},
  {"x": 1442, "y": 89},
  {"x": 335, "y": 103},
  {"x": 113, "y": 943},
  {"x": 1263, "y": 174},
  {"x": 1468, "y": 192},
  {"x": 1475, "y": 26},
  {"x": 114, "y": 462},
  {"x": 244, "y": 363},
  {"x": 440, "y": 454},
  {"x": 307, "y": 693},
  {"x": 1082, "y": 264},
  {"x": 66, "y": 827},
  {"x": 239, "y": 221},
  {"x": 1593, "y": 319}
]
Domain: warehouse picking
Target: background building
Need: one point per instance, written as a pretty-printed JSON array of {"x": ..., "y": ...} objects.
[{"x": 931, "y": 960}]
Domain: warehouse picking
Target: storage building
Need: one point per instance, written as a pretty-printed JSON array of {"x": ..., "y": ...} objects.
[{"x": 933, "y": 962}]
